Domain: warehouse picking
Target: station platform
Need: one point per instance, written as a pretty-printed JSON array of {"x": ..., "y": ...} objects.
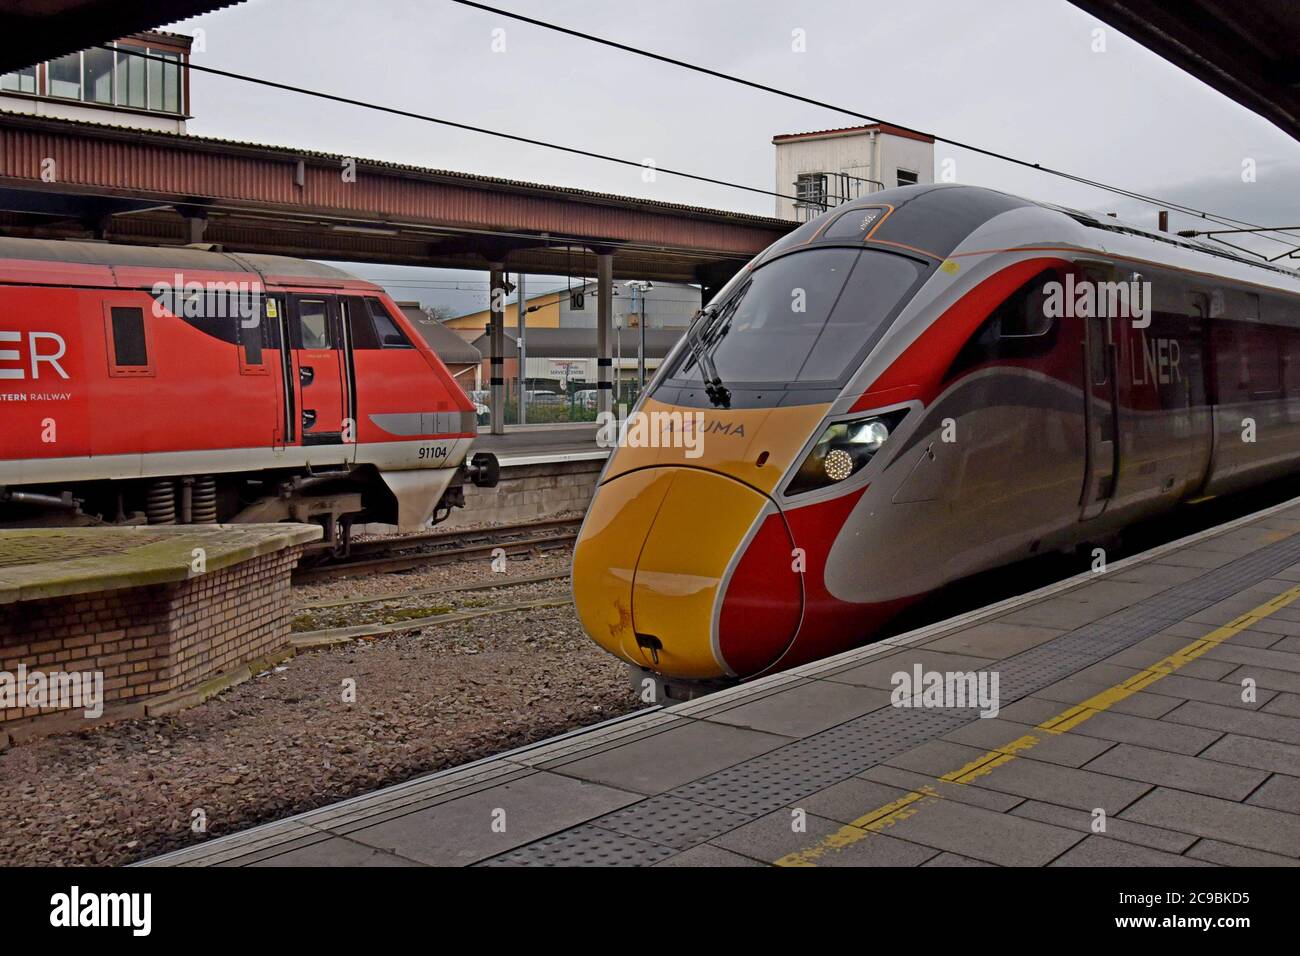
[
  {"x": 542, "y": 444},
  {"x": 1148, "y": 714}
]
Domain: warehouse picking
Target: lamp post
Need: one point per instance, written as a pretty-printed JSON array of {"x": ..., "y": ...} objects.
[{"x": 639, "y": 288}]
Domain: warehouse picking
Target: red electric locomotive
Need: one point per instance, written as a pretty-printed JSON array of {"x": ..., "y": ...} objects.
[{"x": 180, "y": 385}]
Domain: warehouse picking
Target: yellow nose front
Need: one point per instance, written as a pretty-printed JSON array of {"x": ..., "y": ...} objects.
[{"x": 651, "y": 561}]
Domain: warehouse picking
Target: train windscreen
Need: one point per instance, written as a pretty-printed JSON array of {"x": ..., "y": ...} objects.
[{"x": 802, "y": 319}]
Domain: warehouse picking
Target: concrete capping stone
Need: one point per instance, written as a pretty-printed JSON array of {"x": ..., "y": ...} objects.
[{"x": 152, "y": 563}]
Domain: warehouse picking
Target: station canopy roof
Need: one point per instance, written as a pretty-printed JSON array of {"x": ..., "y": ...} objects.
[{"x": 1249, "y": 52}]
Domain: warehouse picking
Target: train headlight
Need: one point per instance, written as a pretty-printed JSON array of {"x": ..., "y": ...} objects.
[
  {"x": 838, "y": 464},
  {"x": 843, "y": 449}
]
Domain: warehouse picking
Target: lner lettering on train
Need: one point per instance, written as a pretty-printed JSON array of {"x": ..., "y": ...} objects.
[{"x": 1158, "y": 363}]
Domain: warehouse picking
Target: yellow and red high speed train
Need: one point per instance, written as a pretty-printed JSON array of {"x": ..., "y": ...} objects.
[{"x": 915, "y": 387}]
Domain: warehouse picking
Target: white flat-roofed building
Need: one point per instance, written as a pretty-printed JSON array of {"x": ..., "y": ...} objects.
[
  {"x": 827, "y": 167},
  {"x": 114, "y": 85}
]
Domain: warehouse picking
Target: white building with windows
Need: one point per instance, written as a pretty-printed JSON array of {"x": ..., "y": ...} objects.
[
  {"x": 830, "y": 166},
  {"x": 115, "y": 85}
]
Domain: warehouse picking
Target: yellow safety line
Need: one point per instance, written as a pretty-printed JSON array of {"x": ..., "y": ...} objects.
[{"x": 911, "y": 803}]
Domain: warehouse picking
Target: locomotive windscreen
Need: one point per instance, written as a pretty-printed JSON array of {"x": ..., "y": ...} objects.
[{"x": 803, "y": 318}]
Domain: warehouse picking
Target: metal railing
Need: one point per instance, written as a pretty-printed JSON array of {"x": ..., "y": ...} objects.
[{"x": 846, "y": 187}]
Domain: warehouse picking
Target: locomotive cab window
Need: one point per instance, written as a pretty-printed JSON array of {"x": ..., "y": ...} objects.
[
  {"x": 314, "y": 324},
  {"x": 802, "y": 319},
  {"x": 128, "y": 344},
  {"x": 389, "y": 335}
]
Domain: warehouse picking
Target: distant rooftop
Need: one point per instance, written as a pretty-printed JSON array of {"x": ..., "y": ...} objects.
[{"x": 855, "y": 131}]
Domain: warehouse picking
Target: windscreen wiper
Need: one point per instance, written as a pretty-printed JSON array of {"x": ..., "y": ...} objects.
[{"x": 719, "y": 395}]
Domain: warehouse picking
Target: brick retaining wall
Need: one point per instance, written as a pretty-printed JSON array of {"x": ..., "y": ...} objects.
[
  {"x": 154, "y": 639},
  {"x": 530, "y": 491}
]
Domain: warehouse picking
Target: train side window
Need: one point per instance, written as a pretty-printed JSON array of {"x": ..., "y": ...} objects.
[
  {"x": 1026, "y": 315},
  {"x": 252, "y": 338},
  {"x": 1021, "y": 327},
  {"x": 360, "y": 327},
  {"x": 128, "y": 344},
  {"x": 390, "y": 336},
  {"x": 314, "y": 323},
  {"x": 1098, "y": 334}
]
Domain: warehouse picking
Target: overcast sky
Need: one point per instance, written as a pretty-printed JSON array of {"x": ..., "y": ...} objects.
[{"x": 1017, "y": 76}]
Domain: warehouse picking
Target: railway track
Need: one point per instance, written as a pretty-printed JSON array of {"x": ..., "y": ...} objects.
[
  {"x": 404, "y": 552},
  {"x": 331, "y": 636}
]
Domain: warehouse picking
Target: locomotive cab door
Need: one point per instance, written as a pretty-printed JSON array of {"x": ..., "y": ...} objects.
[
  {"x": 1100, "y": 414},
  {"x": 320, "y": 361}
]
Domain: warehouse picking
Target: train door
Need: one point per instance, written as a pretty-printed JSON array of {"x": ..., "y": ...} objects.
[
  {"x": 319, "y": 352},
  {"x": 1100, "y": 415},
  {"x": 1200, "y": 386}
]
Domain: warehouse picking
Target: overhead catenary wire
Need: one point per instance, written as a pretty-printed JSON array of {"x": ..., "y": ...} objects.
[{"x": 812, "y": 101}]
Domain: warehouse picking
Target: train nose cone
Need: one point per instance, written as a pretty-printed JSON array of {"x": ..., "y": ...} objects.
[{"x": 687, "y": 572}]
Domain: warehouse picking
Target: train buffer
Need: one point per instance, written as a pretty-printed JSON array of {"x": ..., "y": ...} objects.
[{"x": 1144, "y": 715}]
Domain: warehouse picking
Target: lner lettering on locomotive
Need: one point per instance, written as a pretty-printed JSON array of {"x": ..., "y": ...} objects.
[{"x": 36, "y": 356}]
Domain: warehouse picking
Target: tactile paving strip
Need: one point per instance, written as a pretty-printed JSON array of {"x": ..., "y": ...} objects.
[
  {"x": 671, "y": 821},
  {"x": 693, "y": 813},
  {"x": 806, "y": 766},
  {"x": 586, "y": 845}
]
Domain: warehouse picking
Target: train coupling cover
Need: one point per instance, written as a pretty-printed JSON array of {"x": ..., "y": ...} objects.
[{"x": 483, "y": 470}]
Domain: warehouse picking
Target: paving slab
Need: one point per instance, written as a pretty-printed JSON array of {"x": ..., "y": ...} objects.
[
  {"x": 1226, "y": 854},
  {"x": 1156, "y": 734},
  {"x": 954, "y": 859},
  {"x": 1288, "y": 681},
  {"x": 492, "y": 821},
  {"x": 995, "y": 639},
  {"x": 1258, "y": 828},
  {"x": 1179, "y": 771},
  {"x": 911, "y": 781},
  {"x": 773, "y": 836},
  {"x": 1117, "y": 828},
  {"x": 1103, "y": 851},
  {"x": 1253, "y": 752},
  {"x": 1070, "y": 750},
  {"x": 335, "y": 851},
  {"x": 1065, "y": 786},
  {"x": 1279, "y": 792},
  {"x": 804, "y": 710},
  {"x": 1237, "y": 720},
  {"x": 984, "y": 834},
  {"x": 710, "y": 856},
  {"x": 1288, "y": 705},
  {"x": 667, "y": 760}
]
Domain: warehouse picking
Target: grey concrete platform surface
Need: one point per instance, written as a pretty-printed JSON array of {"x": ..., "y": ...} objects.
[
  {"x": 539, "y": 444},
  {"x": 1147, "y": 715}
]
